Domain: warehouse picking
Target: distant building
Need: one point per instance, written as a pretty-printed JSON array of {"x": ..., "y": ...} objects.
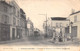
[
  {"x": 47, "y": 28},
  {"x": 30, "y": 28},
  {"x": 23, "y": 23},
  {"x": 37, "y": 32},
  {"x": 75, "y": 25}
]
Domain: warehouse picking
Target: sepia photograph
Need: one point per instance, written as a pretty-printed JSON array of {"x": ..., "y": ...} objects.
[{"x": 40, "y": 25}]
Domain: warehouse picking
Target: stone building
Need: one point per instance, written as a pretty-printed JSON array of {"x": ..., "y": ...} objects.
[
  {"x": 5, "y": 14},
  {"x": 75, "y": 25},
  {"x": 23, "y": 23},
  {"x": 47, "y": 28},
  {"x": 58, "y": 28},
  {"x": 30, "y": 28},
  {"x": 12, "y": 21},
  {"x": 15, "y": 21}
]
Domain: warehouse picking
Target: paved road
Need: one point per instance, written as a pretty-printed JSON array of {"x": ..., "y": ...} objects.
[
  {"x": 36, "y": 42},
  {"x": 29, "y": 42}
]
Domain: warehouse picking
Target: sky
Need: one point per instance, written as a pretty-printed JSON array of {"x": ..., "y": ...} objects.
[{"x": 53, "y": 8}]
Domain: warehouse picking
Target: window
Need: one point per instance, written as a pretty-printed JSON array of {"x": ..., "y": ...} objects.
[
  {"x": 5, "y": 19},
  {"x": 18, "y": 22},
  {"x": 56, "y": 24},
  {"x": 75, "y": 18},
  {"x": 60, "y": 24},
  {"x": 14, "y": 10},
  {"x": 5, "y": 9},
  {"x": 18, "y": 13},
  {"x": 14, "y": 21}
]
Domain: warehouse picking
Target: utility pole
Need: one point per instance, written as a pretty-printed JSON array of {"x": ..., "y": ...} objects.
[
  {"x": 45, "y": 21},
  {"x": 46, "y": 24}
]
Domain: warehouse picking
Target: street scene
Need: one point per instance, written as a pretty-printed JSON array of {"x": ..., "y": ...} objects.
[{"x": 36, "y": 23}]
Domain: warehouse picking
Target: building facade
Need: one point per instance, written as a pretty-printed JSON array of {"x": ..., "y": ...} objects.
[
  {"x": 23, "y": 23},
  {"x": 58, "y": 28},
  {"x": 5, "y": 9},
  {"x": 30, "y": 28},
  {"x": 75, "y": 25},
  {"x": 12, "y": 21},
  {"x": 15, "y": 23}
]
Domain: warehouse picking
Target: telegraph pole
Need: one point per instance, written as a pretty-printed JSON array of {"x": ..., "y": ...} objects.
[
  {"x": 46, "y": 24},
  {"x": 45, "y": 21}
]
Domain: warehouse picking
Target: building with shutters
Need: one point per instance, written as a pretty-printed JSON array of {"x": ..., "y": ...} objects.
[
  {"x": 12, "y": 21},
  {"x": 23, "y": 23},
  {"x": 75, "y": 25},
  {"x": 5, "y": 14},
  {"x": 30, "y": 28},
  {"x": 15, "y": 29},
  {"x": 58, "y": 28}
]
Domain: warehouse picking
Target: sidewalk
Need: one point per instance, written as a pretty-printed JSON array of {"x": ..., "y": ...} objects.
[
  {"x": 11, "y": 41},
  {"x": 61, "y": 43}
]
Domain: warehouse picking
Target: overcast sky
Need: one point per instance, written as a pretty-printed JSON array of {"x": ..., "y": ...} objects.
[{"x": 53, "y": 8}]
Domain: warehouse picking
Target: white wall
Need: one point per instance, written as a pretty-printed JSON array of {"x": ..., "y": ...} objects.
[
  {"x": 79, "y": 31},
  {"x": 63, "y": 23},
  {"x": 71, "y": 17},
  {"x": 2, "y": 12},
  {"x": 77, "y": 23}
]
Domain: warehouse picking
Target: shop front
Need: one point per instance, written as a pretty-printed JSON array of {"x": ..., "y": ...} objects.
[{"x": 4, "y": 32}]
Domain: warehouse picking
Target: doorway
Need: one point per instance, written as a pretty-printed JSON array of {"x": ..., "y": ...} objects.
[
  {"x": 74, "y": 31},
  {"x": 13, "y": 33}
]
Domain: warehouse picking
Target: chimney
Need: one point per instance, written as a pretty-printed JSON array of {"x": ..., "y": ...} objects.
[{"x": 73, "y": 11}]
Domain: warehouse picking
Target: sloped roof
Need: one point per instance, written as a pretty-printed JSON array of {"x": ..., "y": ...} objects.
[
  {"x": 5, "y": 3},
  {"x": 58, "y": 18},
  {"x": 75, "y": 13},
  {"x": 21, "y": 10}
]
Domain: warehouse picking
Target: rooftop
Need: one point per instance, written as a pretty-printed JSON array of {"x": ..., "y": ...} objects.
[
  {"x": 58, "y": 18},
  {"x": 5, "y": 3},
  {"x": 21, "y": 10},
  {"x": 75, "y": 13}
]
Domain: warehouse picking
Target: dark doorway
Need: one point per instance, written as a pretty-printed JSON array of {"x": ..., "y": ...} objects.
[
  {"x": 60, "y": 39},
  {"x": 13, "y": 33},
  {"x": 67, "y": 29},
  {"x": 74, "y": 31}
]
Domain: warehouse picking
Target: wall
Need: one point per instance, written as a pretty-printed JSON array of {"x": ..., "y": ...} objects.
[
  {"x": 63, "y": 23},
  {"x": 77, "y": 23},
  {"x": 5, "y": 27},
  {"x": 3, "y": 12},
  {"x": 71, "y": 17},
  {"x": 15, "y": 13}
]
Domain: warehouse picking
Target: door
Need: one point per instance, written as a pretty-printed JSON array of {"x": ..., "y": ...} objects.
[
  {"x": 67, "y": 30},
  {"x": 13, "y": 33},
  {"x": 74, "y": 31}
]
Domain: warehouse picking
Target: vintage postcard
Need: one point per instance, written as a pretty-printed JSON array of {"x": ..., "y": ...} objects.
[{"x": 39, "y": 25}]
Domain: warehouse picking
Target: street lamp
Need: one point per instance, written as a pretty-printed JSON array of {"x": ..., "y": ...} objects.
[{"x": 46, "y": 21}]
